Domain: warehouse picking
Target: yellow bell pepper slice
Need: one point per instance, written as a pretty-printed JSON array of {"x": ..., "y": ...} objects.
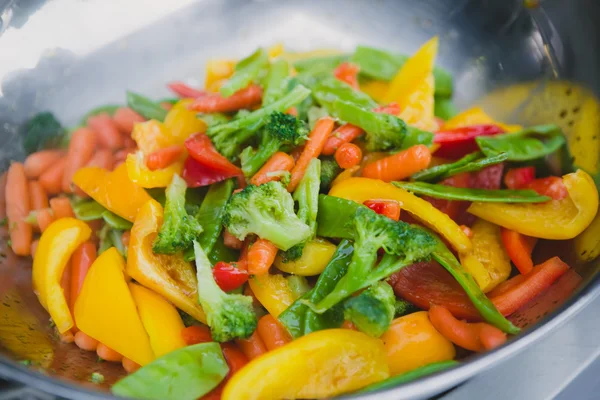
[
  {"x": 315, "y": 257},
  {"x": 168, "y": 275},
  {"x": 105, "y": 309},
  {"x": 587, "y": 245},
  {"x": 413, "y": 87},
  {"x": 151, "y": 136},
  {"x": 57, "y": 244},
  {"x": 181, "y": 123},
  {"x": 476, "y": 116},
  {"x": 556, "y": 219},
  {"x": 113, "y": 190},
  {"x": 488, "y": 261},
  {"x": 412, "y": 342},
  {"x": 376, "y": 89},
  {"x": 141, "y": 175},
  {"x": 325, "y": 364},
  {"x": 273, "y": 292},
  {"x": 276, "y": 50},
  {"x": 160, "y": 319},
  {"x": 217, "y": 71},
  {"x": 362, "y": 189}
]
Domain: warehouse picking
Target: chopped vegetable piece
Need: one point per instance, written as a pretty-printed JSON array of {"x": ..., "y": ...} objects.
[
  {"x": 276, "y": 82},
  {"x": 400, "y": 165},
  {"x": 228, "y": 276},
  {"x": 470, "y": 163},
  {"x": 330, "y": 90},
  {"x": 372, "y": 311},
  {"x": 146, "y": 107},
  {"x": 519, "y": 248},
  {"x": 458, "y": 142},
  {"x": 245, "y": 72},
  {"x": 388, "y": 208},
  {"x": 518, "y": 178}
]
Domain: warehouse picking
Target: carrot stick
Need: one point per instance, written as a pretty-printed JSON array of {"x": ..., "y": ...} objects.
[
  {"x": 37, "y": 196},
  {"x": 103, "y": 158},
  {"x": 17, "y": 209},
  {"x": 81, "y": 150},
  {"x": 279, "y": 161},
  {"x": 261, "y": 256},
  {"x": 244, "y": 98},
  {"x": 125, "y": 118},
  {"x": 400, "y": 165},
  {"x": 344, "y": 134},
  {"x": 162, "y": 158},
  {"x": 272, "y": 333},
  {"x": 81, "y": 261},
  {"x": 108, "y": 354},
  {"x": 231, "y": 241},
  {"x": 312, "y": 149},
  {"x": 253, "y": 346},
  {"x": 107, "y": 131},
  {"x": 39, "y": 162},
  {"x": 51, "y": 180},
  {"x": 45, "y": 217},
  {"x": 61, "y": 207},
  {"x": 85, "y": 342},
  {"x": 129, "y": 365},
  {"x": 519, "y": 248}
]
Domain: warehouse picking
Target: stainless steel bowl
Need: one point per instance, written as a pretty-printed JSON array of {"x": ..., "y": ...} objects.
[{"x": 67, "y": 56}]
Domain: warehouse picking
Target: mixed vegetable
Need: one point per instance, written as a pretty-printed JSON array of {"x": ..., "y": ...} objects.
[{"x": 333, "y": 210}]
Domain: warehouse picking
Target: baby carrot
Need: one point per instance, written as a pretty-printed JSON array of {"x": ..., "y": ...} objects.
[
  {"x": 347, "y": 72},
  {"x": 253, "y": 346},
  {"x": 66, "y": 337},
  {"x": 214, "y": 102},
  {"x": 261, "y": 256},
  {"x": 103, "y": 158},
  {"x": 162, "y": 158},
  {"x": 196, "y": 334},
  {"x": 231, "y": 241},
  {"x": 34, "y": 246},
  {"x": 81, "y": 261},
  {"x": 108, "y": 354},
  {"x": 85, "y": 342},
  {"x": 81, "y": 149},
  {"x": 107, "y": 131},
  {"x": 279, "y": 161},
  {"x": 51, "y": 180},
  {"x": 400, "y": 165},
  {"x": 17, "y": 209},
  {"x": 129, "y": 365},
  {"x": 61, "y": 207},
  {"x": 45, "y": 217},
  {"x": 272, "y": 333},
  {"x": 312, "y": 149},
  {"x": 125, "y": 118},
  {"x": 348, "y": 155},
  {"x": 344, "y": 134},
  {"x": 39, "y": 162},
  {"x": 37, "y": 196}
]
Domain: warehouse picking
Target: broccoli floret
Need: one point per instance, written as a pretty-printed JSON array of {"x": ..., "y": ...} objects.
[
  {"x": 179, "y": 229},
  {"x": 229, "y": 316},
  {"x": 372, "y": 311},
  {"x": 267, "y": 211},
  {"x": 403, "y": 244},
  {"x": 281, "y": 129},
  {"x": 329, "y": 171},
  {"x": 230, "y": 136}
]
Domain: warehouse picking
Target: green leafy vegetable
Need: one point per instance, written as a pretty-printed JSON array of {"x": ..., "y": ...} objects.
[
  {"x": 211, "y": 212},
  {"x": 146, "y": 107},
  {"x": 469, "y": 163},
  {"x": 246, "y": 71},
  {"x": 455, "y": 193},
  {"x": 42, "y": 131},
  {"x": 184, "y": 374},
  {"x": 330, "y": 89},
  {"x": 372, "y": 311},
  {"x": 525, "y": 145},
  {"x": 276, "y": 82}
]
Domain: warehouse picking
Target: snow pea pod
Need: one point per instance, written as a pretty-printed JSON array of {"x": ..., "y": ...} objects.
[
  {"x": 146, "y": 107},
  {"x": 469, "y": 163},
  {"x": 116, "y": 222},
  {"x": 276, "y": 81},
  {"x": 88, "y": 210},
  {"x": 330, "y": 89},
  {"x": 246, "y": 71},
  {"x": 467, "y": 194},
  {"x": 210, "y": 214}
]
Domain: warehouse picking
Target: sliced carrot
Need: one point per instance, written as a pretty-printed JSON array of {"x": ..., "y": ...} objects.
[
  {"x": 81, "y": 149},
  {"x": 245, "y": 98},
  {"x": 231, "y": 241},
  {"x": 279, "y": 161},
  {"x": 400, "y": 165},
  {"x": 347, "y": 72},
  {"x": 81, "y": 261},
  {"x": 312, "y": 149},
  {"x": 51, "y": 180},
  {"x": 129, "y": 365},
  {"x": 61, "y": 207},
  {"x": 348, "y": 155},
  {"x": 253, "y": 346},
  {"x": 39, "y": 162},
  {"x": 519, "y": 248},
  {"x": 344, "y": 134},
  {"x": 45, "y": 217},
  {"x": 37, "y": 196},
  {"x": 292, "y": 111},
  {"x": 162, "y": 158},
  {"x": 103, "y": 158},
  {"x": 108, "y": 133},
  {"x": 272, "y": 333},
  {"x": 196, "y": 334},
  {"x": 125, "y": 118},
  {"x": 85, "y": 342},
  {"x": 108, "y": 354},
  {"x": 17, "y": 209},
  {"x": 261, "y": 256},
  {"x": 34, "y": 246}
]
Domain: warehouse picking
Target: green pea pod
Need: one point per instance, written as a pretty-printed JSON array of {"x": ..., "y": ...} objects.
[
  {"x": 415, "y": 136},
  {"x": 489, "y": 196},
  {"x": 276, "y": 82},
  {"x": 116, "y": 236},
  {"x": 317, "y": 65},
  {"x": 146, "y": 107},
  {"x": 220, "y": 252},
  {"x": 184, "y": 374},
  {"x": 210, "y": 214},
  {"x": 246, "y": 71},
  {"x": 469, "y": 163},
  {"x": 380, "y": 64},
  {"x": 444, "y": 108},
  {"x": 116, "y": 222},
  {"x": 109, "y": 109},
  {"x": 409, "y": 376},
  {"x": 105, "y": 239},
  {"x": 298, "y": 318},
  {"x": 88, "y": 210},
  {"x": 330, "y": 89},
  {"x": 525, "y": 145}
]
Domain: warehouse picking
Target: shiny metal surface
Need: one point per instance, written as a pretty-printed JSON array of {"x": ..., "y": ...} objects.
[{"x": 68, "y": 56}]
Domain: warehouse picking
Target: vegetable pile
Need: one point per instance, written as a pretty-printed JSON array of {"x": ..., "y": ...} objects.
[{"x": 335, "y": 210}]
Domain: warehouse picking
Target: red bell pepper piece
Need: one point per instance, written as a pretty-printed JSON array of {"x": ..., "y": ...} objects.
[
  {"x": 551, "y": 186},
  {"x": 229, "y": 277},
  {"x": 236, "y": 360},
  {"x": 388, "y": 208},
  {"x": 347, "y": 72},
  {"x": 519, "y": 248},
  {"x": 456, "y": 143},
  {"x": 183, "y": 90},
  {"x": 214, "y": 102},
  {"x": 516, "y": 178},
  {"x": 196, "y": 174}
]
